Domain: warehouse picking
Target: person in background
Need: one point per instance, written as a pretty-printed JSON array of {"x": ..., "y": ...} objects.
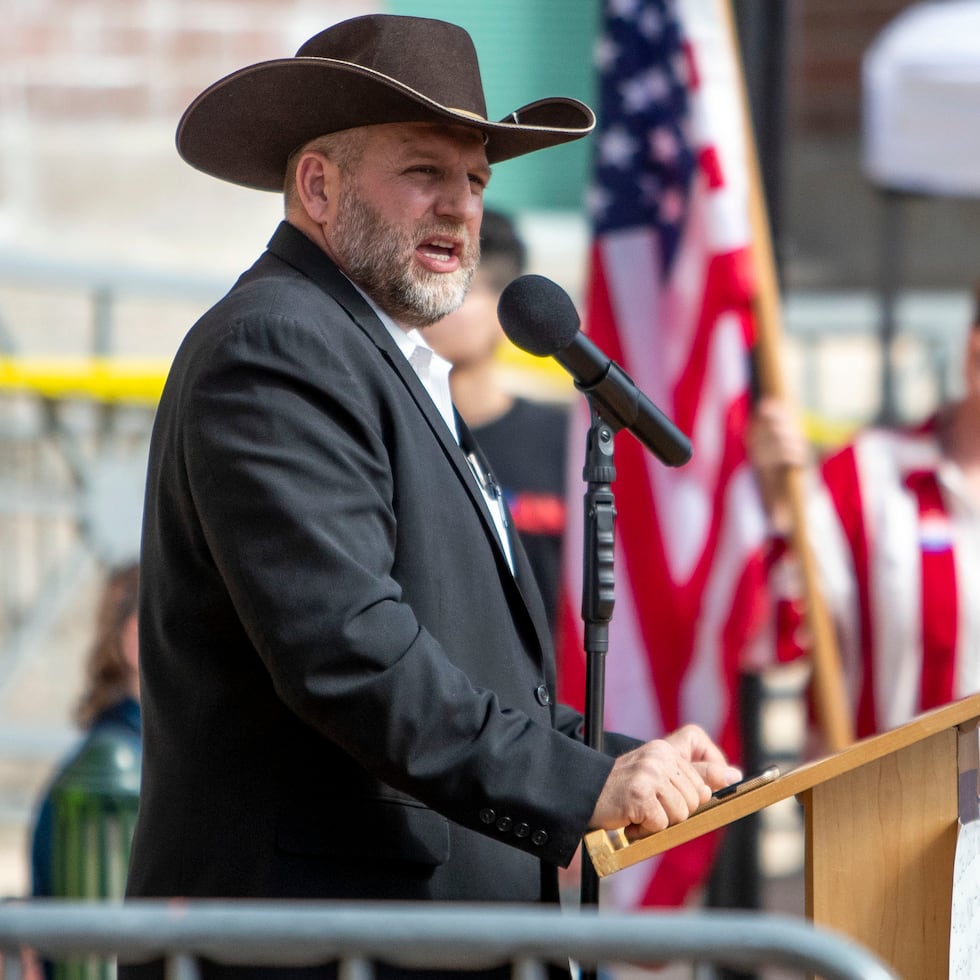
[
  {"x": 109, "y": 703},
  {"x": 346, "y": 669},
  {"x": 894, "y": 524},
  {"x": 525, "y": 441},
  {"x": 108, "y": 714}
]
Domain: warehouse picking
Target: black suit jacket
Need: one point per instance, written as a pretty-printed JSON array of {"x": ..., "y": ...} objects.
[{"x": 346, "y": 693}]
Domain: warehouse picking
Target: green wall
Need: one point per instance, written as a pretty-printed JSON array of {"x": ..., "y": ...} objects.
[{"x": 528, "y": 50}]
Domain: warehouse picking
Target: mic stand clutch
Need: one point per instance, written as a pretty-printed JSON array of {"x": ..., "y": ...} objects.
[{"x": 598, "y": 596}]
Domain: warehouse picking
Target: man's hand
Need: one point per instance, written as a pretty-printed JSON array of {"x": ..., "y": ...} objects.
[
  {"x": 775, "y": 444},
  {"x": 662, "y": 782}
]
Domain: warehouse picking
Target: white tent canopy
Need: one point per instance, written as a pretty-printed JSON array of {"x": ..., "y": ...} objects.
[{"x": 921, "y": 90}]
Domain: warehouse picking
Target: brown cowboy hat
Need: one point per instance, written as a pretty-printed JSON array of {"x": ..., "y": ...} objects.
[{"x": 379, "y": 68}]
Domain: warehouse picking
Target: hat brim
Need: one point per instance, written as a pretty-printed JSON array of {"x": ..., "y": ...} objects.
[{"x": 244, "y": 127}]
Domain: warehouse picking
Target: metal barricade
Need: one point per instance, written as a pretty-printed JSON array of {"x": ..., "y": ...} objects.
[{"x": 424, "y": 936}]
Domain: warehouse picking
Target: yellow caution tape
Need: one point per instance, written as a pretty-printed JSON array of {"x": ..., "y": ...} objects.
[{"x": 110, "y": 379}]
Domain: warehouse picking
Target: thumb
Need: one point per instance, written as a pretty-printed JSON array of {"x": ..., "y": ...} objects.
[{"x": 718, "y": 775}]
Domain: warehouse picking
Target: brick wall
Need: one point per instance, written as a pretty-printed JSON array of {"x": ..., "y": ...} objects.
[
  {"x": 829, "y": 38},
  {"x": 66, "y": 59},
  {"x": 834, "y": 219},
  {"x": 90, "y": 95},
  {"x": 133, "y": 59}
]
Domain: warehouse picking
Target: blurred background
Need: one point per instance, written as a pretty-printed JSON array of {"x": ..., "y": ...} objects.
[{"x": 110, "y": 247}]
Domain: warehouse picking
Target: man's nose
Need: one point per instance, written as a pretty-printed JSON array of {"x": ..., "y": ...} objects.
[{"x": 459, "y": 197}]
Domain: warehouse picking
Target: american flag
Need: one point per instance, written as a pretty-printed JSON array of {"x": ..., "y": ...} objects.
[{"x": 669, "y": 298}]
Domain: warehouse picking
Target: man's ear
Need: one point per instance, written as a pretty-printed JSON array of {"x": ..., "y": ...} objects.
[{"x": 317, "y": 183}]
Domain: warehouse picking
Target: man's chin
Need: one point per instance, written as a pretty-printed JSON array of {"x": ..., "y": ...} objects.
[
  {"x": 420, "y": 319},
  {"x": 428, "y": 305}
]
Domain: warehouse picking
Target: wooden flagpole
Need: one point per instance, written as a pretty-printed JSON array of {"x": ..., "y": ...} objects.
[{"x": 827, "y": 681}]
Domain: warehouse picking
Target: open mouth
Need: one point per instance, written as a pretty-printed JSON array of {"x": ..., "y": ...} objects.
[
  {"x": 440, "y": 254},
  {"x": 440, "y": 249}
]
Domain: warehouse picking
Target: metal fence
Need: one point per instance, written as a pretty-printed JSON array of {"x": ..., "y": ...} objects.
[
  {"x": 83, "y": 350},
  {"x": 838, "y": 368},
  {"x": 448, "y": 937}
]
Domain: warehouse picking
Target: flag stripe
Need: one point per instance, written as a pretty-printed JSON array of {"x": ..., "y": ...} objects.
[{"x": 670, "y": 290}]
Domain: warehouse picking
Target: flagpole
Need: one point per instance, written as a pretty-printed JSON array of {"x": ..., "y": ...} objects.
[{"x": 829, "y": 690}]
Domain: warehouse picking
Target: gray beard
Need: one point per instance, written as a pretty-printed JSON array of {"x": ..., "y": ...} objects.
[{"x": 378, "y": 257}]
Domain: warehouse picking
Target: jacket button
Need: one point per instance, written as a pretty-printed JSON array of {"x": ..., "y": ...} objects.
[
  {"x": 504, "y": 824},
  {"x": 543, "y": 694},
  {"x": 539, "y": 838},
  {"x": 521, "y": 830},
  {"x": 487, "y": 815}
]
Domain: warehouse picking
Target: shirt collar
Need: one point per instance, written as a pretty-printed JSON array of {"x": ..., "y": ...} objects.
[{"x": 431, "y": 369}]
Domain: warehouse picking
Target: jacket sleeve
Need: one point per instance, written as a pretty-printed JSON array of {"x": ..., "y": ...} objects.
[{"x": 572, "y": 723}]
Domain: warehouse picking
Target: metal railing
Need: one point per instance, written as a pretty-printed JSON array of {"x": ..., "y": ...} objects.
[
  {"x": 75, "y": 415},
  {"x": 420, "y": 937},
  {"x": 837, "y": 376}
]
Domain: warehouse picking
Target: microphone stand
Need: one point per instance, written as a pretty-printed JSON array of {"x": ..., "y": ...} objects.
[{"x": 598, "y": 598}]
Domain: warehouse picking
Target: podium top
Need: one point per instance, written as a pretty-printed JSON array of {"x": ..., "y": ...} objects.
[{"x": 610, "y": 850}]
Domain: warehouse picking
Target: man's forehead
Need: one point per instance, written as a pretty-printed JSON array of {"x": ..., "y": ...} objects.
[{"x": 421, "y": 135}]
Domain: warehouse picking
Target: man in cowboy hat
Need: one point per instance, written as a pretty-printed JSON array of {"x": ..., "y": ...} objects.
[{"x": 347, "y": 677}]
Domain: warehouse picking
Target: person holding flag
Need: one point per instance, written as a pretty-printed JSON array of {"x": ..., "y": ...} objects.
[{"x": 895, "y": 522}]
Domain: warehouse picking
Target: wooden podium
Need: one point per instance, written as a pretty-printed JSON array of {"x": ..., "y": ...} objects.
[{"x": 881, "y": 821}]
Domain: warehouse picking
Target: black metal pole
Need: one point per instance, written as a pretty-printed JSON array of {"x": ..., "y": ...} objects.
[
  {"x": 762, "y": 31},
  {"x": 598, "y": 598},
  {"x": 890, "y": 275},
  {"x": 735, "y": 881}
]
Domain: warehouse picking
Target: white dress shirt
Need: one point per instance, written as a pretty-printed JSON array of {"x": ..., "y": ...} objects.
[{"x": 433, "y": 371}]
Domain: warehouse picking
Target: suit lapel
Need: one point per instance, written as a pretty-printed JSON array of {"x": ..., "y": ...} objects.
[
  {"x": 294, "y": 248},
  {"x": 523, "y": 574}
]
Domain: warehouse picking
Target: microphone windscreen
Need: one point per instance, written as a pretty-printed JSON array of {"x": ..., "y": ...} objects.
[{"x": 537, "y": 315}]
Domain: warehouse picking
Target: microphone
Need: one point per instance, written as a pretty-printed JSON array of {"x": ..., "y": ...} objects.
[{"x": 539, "y": 317}]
